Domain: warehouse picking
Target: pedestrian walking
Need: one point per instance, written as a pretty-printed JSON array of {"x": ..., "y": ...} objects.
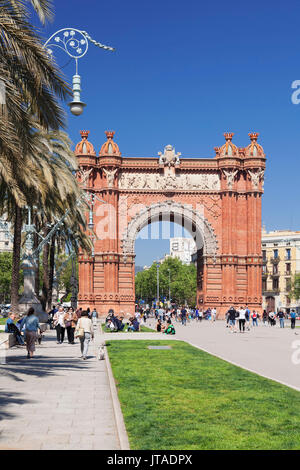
[
  {"x": 280, "y": 315},
  {"x": 293, "y": 319},
  {"x": 200, "y": 315},
  {"x": 232, "y": 313},
  {"x": 84, "y": 331},
  {"x": 94, "y": 317},
  {"x": 265, "y": 318},
  {"x": 242, "y": 319},
  {"x": 272, "y": 318},
  {"x": 70, "y": 320},
  {"x": 254, "y": 318},
  {"x": 183, "y": 315},
  {"x": 59, "y": 324},
  {"x": 247, "y": 317},
  {"x": 31, "y": 325},
  {"x": 213, "y": 315}
]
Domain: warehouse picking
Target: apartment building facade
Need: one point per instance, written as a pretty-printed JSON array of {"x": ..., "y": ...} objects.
[{"x": 281, "y": 260}]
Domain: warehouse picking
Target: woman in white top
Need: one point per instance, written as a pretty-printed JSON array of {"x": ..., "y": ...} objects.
[
  {"x": 242, "y": 319},
  {"x": 86, "y": 324}
]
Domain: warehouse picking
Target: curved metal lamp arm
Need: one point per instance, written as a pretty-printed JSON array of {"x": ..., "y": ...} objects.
[{"x": 75, "y": 43}]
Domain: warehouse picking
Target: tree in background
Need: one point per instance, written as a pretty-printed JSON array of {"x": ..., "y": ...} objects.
[
  {"x": 295, "y": 287},
  {"x": 6, "y": 275},
  {"x": 183, "y": 282}
]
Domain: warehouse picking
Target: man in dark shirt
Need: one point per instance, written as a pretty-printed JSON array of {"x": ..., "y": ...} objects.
[
  {"x": 280, "y": 315},
  {"x": 183, "y": 316},
  {"x": 232, "y": 318}
]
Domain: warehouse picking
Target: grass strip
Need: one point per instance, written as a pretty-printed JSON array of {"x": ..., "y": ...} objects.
[{"x": 185, "y": 398}]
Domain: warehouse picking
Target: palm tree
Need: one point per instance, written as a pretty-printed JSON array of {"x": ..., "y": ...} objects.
[{"x": 32, "y": 85}]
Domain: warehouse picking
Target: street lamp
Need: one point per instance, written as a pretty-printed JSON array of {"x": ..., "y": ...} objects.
[{"x": 75, "y": 43}]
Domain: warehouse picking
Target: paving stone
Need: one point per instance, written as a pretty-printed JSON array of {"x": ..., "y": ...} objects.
[{"x": 62, "y": 399}]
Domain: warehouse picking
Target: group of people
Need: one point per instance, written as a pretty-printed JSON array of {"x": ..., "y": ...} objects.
[
  {"x": 270, "y": 318},
  {"x": 27, "y": 330},
  {"x": 65, "y": 319},
  {"x": 120, "y": 323},
  {"x": 77, "y": 323},
  {"x": 243, "y": 316}
]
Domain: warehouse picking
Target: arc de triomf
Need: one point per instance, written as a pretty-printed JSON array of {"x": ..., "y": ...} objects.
[{"x": 217, "y": 199}]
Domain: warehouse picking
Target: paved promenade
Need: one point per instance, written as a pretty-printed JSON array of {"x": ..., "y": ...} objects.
[
  {"x": 56, "y": 400},
  {"x": 265, "y": 350}
]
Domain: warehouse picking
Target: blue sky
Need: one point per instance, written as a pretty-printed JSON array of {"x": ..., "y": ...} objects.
[{"x": 184, "y": 73}]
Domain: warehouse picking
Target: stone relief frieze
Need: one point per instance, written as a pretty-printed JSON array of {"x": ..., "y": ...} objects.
[{"x": 171, "y": 181}]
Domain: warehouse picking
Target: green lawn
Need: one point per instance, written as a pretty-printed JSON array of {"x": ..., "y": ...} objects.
[
  {"x": 143, "y": 329},
  {"x": 184, "y": 398},
  {"x": 3, "y": 321}
]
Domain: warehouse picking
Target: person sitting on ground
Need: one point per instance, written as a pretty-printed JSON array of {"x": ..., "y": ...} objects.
[
  {"x": 119, "y": 324},
  {"x": 110, "y": 325},
  {"x": 135, "y": 326},
  {"x": 158, "y": 326},
  {"x": 169, "y": 330},
  {"x": 10, "y": 327}
]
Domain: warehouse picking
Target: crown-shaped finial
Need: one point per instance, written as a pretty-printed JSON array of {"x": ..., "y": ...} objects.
[
  {"x": 228, "y": 135},
  {"x": 110, "y": 134},
  {"x": 84, "y": 134},
  {"x": 253, "y": 136}
]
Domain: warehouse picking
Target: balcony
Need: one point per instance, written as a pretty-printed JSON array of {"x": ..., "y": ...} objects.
[
  {"x": 264, "y": 260},
  {"x": 275, "y": 275},
  {"x": 288, "y": 273},
  {"x": 265, "y": 275},
  {"x": 271, "y": 293},
  {"x": 275, "y": 260}
]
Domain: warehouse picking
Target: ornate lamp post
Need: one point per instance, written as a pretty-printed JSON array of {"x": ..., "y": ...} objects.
[
  {"x": 29, "y": 298},
  {"x": 75, "y": 43}
]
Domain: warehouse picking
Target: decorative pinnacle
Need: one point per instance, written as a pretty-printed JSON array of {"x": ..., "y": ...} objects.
[
  {"x": 228, "y": 135},
  {"x": 84, "y": 134},
  {"x": 110, "y": 134},
  {"x": 253, "y": 136}
]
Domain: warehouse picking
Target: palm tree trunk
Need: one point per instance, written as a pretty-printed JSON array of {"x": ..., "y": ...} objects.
[
  {"x": 51, "y": 272},
  {"x": 15, "y": 277}
]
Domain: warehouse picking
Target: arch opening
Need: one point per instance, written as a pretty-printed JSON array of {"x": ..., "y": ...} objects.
[{"x": 193, "y": 221}]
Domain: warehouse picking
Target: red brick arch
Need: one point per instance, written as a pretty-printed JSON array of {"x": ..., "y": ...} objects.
[{"x": 217, "y": 199}]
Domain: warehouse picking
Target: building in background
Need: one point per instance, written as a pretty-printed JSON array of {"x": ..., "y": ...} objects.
[
  {"x": 281, "y": 260},
  {"x": 182, "y": 248},
  {"x": 6, "y": 240}
]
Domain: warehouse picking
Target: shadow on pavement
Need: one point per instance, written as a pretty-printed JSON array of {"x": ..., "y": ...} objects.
[
  {"x": 10, "y": 398},
  {"x": 17, "y": 366}
]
